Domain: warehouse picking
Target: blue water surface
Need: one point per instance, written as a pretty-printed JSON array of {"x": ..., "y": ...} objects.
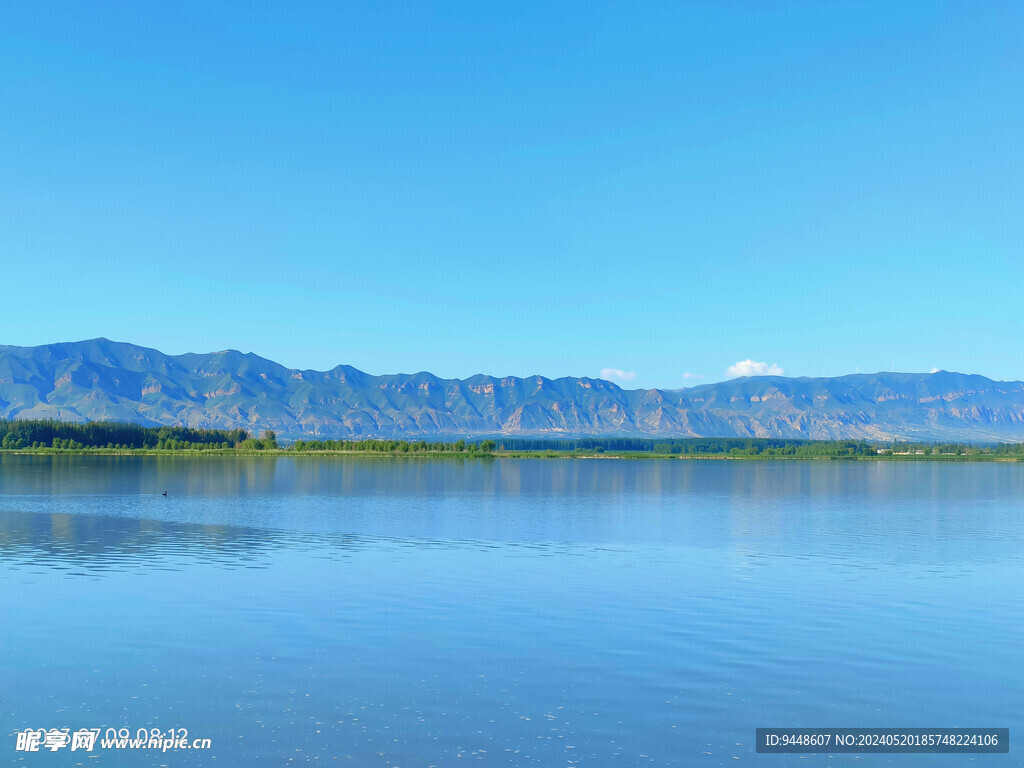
[{"x": 550, "y": 612}]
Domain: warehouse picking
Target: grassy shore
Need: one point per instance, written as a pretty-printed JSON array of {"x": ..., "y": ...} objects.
[
  {"x": 498, "y": 454},
  {"x": 49, "y": 437}
]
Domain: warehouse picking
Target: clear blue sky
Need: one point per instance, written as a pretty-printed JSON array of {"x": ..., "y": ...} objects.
[{"x": 520, "y": 188}]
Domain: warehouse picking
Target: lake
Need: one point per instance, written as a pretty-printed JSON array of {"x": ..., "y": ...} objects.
[{"x": 548, "y": 612}]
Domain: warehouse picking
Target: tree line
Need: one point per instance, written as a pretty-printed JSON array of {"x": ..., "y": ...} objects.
[
  {"x": 61, "y": 435},
  {"x": 48, "y": 433},
  {"x": 394, "y": 446},
  {"x": 697, "y": 446},
  {"x": 757, "y": 446}
]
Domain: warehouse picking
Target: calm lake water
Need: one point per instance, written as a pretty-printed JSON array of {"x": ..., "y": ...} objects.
[{"x": 550, "y": 612}]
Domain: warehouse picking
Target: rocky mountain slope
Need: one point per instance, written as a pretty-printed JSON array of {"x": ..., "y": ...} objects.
[{"x": 101, "y": 379}]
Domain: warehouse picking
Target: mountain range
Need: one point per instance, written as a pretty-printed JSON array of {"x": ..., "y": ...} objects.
[{"x": 105, "y": 380}]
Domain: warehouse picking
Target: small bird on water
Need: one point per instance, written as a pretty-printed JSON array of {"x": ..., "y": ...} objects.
[{"x": 165, "y": 493}]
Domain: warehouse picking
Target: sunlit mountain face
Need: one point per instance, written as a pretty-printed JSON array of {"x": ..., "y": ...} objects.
[{"x": 105, "y": 380}]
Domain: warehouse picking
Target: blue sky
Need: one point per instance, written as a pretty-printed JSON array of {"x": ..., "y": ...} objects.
[{"x": 660, "y": 189}]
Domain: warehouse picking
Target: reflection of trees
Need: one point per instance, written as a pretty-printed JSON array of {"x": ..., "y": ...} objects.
[
  {"x": 99, "y": 542},
  {"x": 872, "y": 510}
]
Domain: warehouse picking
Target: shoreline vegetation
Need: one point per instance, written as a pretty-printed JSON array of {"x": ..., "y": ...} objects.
[{"x": 44, "y": 437}]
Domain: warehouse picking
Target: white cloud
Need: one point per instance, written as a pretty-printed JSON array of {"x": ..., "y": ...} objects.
[
  {"x": 689, "y": 375},
  {"x": 617, "y": 374},
  {"x": 752, "y": 368},
  {"x": 934, "y": 370}
]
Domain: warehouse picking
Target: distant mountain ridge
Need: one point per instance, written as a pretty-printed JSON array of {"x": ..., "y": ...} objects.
[{"x": 105, "y": 380}]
